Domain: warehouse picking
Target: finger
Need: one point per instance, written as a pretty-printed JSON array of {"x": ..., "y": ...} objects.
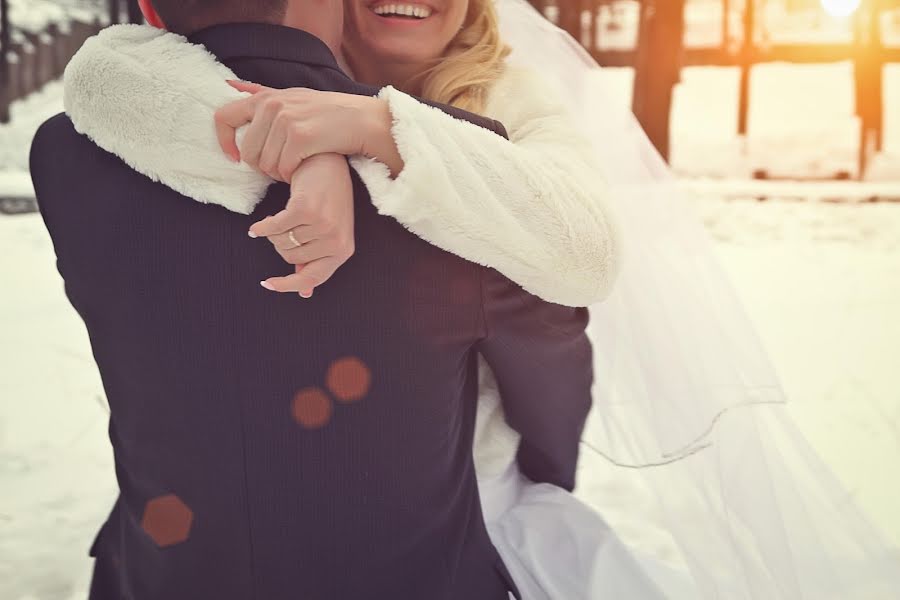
[
  {"x": 229, "y": 119},
  {"x": 280, "y": 223},
  {"x": 307, "y": 253},
  {"x": 270, "y": 157},
  {"x": 258, "y": 131},
  {"x": 304, "y": 234},
  {"x": 307, "y": 294},
  {"x": 307, "y": 278},
  {"x": 247, "y": 86}
]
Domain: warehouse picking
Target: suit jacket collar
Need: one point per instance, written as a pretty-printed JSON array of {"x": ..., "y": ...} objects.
[{"x": 264, "y": 41}]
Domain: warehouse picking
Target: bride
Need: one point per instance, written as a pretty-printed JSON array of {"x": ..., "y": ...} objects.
[{"x": 575, "y": 201}]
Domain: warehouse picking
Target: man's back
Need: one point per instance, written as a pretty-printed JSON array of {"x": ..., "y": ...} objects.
[{"x": 268, "y": 446}]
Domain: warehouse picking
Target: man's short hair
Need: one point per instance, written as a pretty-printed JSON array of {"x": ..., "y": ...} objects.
[{"x": 188, "y": 16}]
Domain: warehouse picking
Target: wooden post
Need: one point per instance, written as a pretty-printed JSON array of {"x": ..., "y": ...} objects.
[
  {"x": 134, "y": 12},
  {"x": 658, "y": 67},
  {"x": 540, "y": 6},
  {"x": 726, "y": 24},
  {"x": 868, "y": 70},
  {"x": 115, "y": 13},
  {"x": 570, "y": 17},
  {"x": 5, "y": 79},
  {"x": 595, "y": 6},
  {"x": 746, "y": 60}
]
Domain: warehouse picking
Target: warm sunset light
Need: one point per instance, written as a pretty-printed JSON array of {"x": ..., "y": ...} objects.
[{"x": 840, "y": 8}]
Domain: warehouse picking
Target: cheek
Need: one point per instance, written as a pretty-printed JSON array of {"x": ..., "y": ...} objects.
[{"x": 455, "y": 19}]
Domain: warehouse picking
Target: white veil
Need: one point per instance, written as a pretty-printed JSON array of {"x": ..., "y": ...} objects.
[{"x": 685, "y": 391}]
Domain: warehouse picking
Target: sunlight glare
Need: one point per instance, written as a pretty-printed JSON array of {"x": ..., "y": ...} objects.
[{"x": 840, "y": 8}]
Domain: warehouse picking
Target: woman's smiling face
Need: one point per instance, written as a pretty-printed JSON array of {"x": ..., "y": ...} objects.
[{"x": 401, "y": 31}]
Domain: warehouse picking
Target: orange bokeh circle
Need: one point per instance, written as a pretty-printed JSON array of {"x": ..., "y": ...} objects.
[
  {"x": 311, "y": 408},
  {"x": 349, "y": 379}
]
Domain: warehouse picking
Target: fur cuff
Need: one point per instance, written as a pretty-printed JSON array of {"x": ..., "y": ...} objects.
[{"x": 122, "y": 93}]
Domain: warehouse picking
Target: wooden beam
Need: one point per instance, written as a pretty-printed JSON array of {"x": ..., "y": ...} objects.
[
  {"x": 726, "y": 23},
  {"x": 716, "y": 56},
  {"x": 868, "y": 79},
  {"x": 570, "y": 17},
  {"x": 658, "y": 67},
  {"x": 115, "y": 12},
  {"x": 134, "y": 12},
  {"x": 746, "y": 62}
]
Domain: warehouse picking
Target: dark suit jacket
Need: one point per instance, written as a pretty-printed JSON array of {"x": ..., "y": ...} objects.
[{"x": 275, "y": 448}]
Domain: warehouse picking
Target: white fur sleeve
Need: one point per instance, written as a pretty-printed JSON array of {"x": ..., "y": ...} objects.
[
  {"x": 149, "y": 97},
  {"x": 534, "y": 207}
]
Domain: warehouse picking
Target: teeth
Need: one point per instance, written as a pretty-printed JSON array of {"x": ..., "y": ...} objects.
[{"x": 406, "y": 10}]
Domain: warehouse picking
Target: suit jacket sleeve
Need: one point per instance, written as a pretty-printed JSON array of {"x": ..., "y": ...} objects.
[{"x": 542, "y": 360}]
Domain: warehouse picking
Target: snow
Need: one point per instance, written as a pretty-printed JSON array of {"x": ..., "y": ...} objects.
[
  {"x": 822, "y": 281},
  {"x": 34, "y": 16},
  {"x": 55, "y": 462},
  {"x": 27, "y": 116},
  {"x": 805, "y": 113},
  {"x": 817, "y": 265}
]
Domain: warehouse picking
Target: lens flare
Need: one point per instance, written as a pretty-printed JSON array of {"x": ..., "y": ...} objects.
[{"x": 840, "y": 8}]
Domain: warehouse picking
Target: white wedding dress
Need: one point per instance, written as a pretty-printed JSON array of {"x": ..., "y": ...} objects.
[{"x": 753, "y": 514}]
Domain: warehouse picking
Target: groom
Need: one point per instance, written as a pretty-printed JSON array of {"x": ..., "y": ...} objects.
[{"x": 270, "y": 448}]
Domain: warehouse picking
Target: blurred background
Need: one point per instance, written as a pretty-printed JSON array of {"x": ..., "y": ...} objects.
[{"x": 780, "y": 117}]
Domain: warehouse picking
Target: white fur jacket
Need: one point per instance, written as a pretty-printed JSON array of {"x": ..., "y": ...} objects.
[{"x": 533, "y": 207}]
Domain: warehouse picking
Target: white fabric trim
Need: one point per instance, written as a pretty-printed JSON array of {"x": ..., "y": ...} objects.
[
  {"x": 534, "y": 209},
  {"x": 148, "y": 97}
]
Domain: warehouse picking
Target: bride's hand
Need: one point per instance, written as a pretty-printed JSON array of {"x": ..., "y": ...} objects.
[
  {"x": 319, "y": 217},
  {"x": 288, "y": 126}
]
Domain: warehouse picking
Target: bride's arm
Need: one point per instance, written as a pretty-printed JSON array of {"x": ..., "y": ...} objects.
[{"x": 535, "y": 207}]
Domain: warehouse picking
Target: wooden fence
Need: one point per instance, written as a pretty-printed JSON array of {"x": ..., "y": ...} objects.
[
  {"x": 31, "y": 57},
  {"x": 660, "y": 53}
]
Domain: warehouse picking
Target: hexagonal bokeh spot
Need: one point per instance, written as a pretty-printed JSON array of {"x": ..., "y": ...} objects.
[
  {"x": 167, "y": 520},
  {"x": 312, "y": 408},
  {"x": 349, "y": 379}
]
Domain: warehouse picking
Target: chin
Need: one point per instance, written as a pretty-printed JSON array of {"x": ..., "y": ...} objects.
[{"x": 402, "y": 53}]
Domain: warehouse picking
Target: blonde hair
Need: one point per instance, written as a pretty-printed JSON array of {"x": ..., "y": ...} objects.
[{"x": 471, "y": 64}]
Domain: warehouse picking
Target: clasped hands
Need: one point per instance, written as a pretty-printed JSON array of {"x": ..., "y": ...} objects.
[{"x": 302, "y": 137}]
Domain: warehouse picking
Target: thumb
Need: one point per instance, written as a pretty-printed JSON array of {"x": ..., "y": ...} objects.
[{"x": 246, "y": 86}]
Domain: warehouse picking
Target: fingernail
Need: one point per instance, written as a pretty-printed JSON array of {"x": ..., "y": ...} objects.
[
  {"x": 253, "y": 235},
  {"x": 267, "y": 285},
  {"x": 306, "y": 295}
]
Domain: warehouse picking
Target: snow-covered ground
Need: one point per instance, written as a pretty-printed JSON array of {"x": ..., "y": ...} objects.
[
  {"x": 27, "y": 116},
  {"x": 801, "y": 121},
  {"x": 821, "y": 279}
]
